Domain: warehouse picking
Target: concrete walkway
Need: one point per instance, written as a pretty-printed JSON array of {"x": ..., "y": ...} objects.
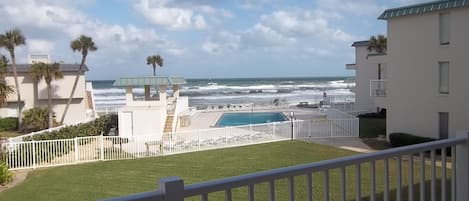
[
  {"x": 204, "y": 120},
  {"x": 349, "y": 143}
]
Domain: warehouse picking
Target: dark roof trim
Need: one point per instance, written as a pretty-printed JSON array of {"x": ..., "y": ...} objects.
[
  {"x": 360, "y": 43},
  {"x": 423, "y": 8},
  {"x": 24, "y": 68}
]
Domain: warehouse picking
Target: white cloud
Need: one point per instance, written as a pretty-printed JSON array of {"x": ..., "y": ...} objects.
[
  {"x": 40, "y": 46},
  {"x": 303, "y": 23},
  {"x": 251, "y": 5},
  {"x": 297, "y": 30},
  {"x": 50, "y": 27},
  {"x": 317, "y": 51},
  {"x": 409, "y": 2},
  {"x": 179, "y": 15},
  {"x": 172, "y": 18},
  {"x": 261, "y": 35},
  {"x": 222, "y": 42}
]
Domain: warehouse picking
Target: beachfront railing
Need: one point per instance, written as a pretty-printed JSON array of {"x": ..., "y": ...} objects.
[
  {"x": 46, "y": 153},
  {"x": 378, "y": 88},
  {"x": 243, "y": 107},
  {"x": 416, "y": 172}
]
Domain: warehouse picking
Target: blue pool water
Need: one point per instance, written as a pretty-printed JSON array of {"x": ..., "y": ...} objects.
[{"x": 237, "y": 119}]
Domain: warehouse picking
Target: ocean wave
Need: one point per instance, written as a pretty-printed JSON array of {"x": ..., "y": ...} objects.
[
  {"x": 230, "y": 92},
  {"x": 108, "y": 91},
  {"x": 307, "y": 93}
]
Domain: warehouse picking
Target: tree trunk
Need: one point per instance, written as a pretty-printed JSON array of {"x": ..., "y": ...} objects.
[
  {"x": 83, "y": 59},
  {"x": 154, "y": 70},
  {"x": 49, "y": 104},
  {"x": 17, "y": 86}
]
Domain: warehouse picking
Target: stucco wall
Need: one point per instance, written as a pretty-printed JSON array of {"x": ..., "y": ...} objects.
[
  {"x": 367, "y": 69},
  {"x": 414, "y": 52},
  {"x": 61, "y": 91},
  {"x": 63, "y": 87},
  {"x": 145, "y": 120}
]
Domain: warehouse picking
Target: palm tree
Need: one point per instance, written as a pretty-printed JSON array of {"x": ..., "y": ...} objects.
[
  {"x": 48, "y": 72},
  {"x": 82, "y": 44},
  {"x": 5, "y": 90},
  {"x": 10, "y": 40},
  {"x": 154, "y": 60},
  {"x": 378, "y": 43}
]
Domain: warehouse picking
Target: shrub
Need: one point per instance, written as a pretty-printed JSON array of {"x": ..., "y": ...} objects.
[
  {"x": 5, "y": 174},
  {"x": 34, "y": 119},
  {"x": 9, "y": 124},
  {"x": 101, "y": 125},
  {"x": 404, "y": 139}
]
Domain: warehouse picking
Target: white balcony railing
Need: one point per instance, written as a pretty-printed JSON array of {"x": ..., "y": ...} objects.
[
  {"x": 408, "y": 183},
  {"x": 351, "y": 66},
  {"x": 378, "y": 88}
]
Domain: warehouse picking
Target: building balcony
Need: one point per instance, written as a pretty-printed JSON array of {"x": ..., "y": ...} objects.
[
  {"x": 378, "y": 88},
  {"x": 351, "y": 66}
]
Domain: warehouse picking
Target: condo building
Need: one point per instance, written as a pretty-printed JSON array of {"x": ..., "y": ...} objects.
[{"x": 421, "y": 79}]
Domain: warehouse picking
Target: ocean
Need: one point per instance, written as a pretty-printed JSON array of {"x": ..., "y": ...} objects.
[{"x": 261, "y": 91}]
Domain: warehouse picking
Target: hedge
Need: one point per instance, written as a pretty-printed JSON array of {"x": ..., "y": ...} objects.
[
  {"x": 101, "y": 125},
  {"x": 9, "y": 124},
  {"x": 405, "y": 139}
]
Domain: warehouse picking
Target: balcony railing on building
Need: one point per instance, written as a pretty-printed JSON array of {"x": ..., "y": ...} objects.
[{"x": 378, "y": 88}]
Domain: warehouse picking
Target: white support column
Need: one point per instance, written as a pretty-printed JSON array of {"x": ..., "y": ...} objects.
[
  {"x": 172, "y": 187},
  {"x": 462, "y": 171},
  {"x": 147, "y": 92},
  {"x": 176, "y": 91},
  {"x": 162, "y": 93},
  {"x": 129, "y": 97}
]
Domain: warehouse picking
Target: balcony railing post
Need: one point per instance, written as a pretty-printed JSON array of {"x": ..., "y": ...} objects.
[
  {"x": 462, "y": 171},
  {"x": 172, "y": 188}
]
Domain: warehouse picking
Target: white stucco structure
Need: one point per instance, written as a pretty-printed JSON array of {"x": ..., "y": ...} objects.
[
  {"x": 150, "y": 114},
  {"x": 427, "y": 65},
  {"x": 368, "y": 66},
  {"x": 35, "y": 95}
]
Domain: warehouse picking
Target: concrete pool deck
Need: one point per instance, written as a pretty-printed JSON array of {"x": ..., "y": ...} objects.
[{"x": 208, "y": 119}]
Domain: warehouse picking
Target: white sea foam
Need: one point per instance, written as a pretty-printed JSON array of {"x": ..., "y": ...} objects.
[{"x": 290, "y": 91}]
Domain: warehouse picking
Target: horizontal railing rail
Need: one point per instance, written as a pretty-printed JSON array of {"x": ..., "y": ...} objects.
[{"x": 173, "y": 188}]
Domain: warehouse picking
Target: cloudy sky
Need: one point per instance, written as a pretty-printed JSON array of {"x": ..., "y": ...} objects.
[{"x": 200, "y": 38}]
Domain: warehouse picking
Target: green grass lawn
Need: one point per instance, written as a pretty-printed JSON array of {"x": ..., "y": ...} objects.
[
  {"x": 116, "y": 178},
  {"x": 372, "y": 127}
]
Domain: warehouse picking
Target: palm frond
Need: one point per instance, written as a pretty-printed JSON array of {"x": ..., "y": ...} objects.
[
  {"x": 12, "y": 38},
  {"x": 5, "y": 91}
]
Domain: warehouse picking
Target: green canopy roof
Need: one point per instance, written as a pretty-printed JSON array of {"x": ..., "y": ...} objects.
[
  {"x": 423, "y": 8},
  {"x": 152, "y": 81}
]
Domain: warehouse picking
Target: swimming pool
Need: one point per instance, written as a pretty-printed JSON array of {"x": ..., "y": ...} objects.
[{"x": 237, "y": 119}]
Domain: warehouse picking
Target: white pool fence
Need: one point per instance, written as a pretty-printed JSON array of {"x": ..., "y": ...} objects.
[{"x": 35, "y": 154}]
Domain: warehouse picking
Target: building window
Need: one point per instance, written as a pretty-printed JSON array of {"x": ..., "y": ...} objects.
[
  {"x": 443, "y": 118},
  {"x": 444, "y": 77},
  {"x": 444, "y": 28}
]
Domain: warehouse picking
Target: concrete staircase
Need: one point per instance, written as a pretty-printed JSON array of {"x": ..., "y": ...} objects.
[{"x": 168, "y": 126}]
